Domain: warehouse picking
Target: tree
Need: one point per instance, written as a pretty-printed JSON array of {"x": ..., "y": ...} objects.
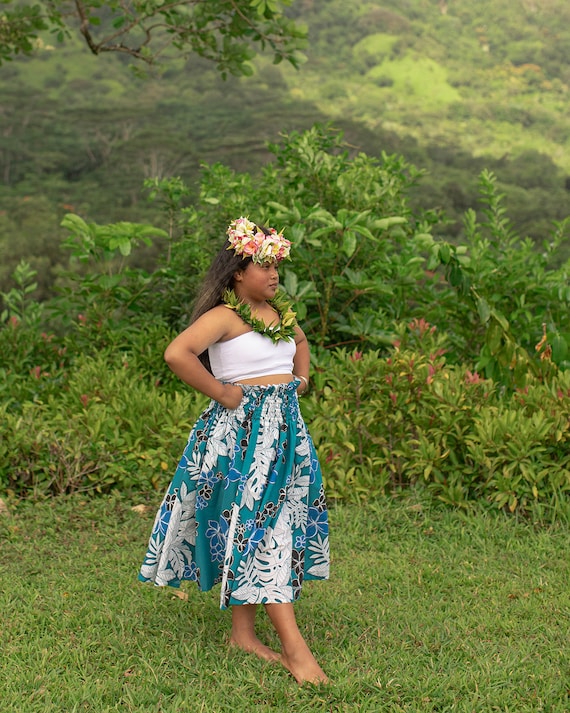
[{"x": 227, "y": 32}]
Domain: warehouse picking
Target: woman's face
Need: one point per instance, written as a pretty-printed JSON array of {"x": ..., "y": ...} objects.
[{"x": 257, "y": 283}]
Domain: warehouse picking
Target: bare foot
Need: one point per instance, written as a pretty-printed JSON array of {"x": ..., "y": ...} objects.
[
  {"x": 303, "y": 666},
  {"x": 254, "y": 646}
]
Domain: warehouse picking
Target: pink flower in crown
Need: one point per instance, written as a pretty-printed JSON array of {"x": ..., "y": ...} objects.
[
  {"x": 249, "y": 248},
  {"x": 245, "y": 238}
]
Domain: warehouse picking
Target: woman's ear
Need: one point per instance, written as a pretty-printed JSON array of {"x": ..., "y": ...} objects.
[{"x": 238, "y": 275}]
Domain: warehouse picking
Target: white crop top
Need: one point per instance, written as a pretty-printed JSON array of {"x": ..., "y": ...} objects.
[{"x": 249, "y": 355}]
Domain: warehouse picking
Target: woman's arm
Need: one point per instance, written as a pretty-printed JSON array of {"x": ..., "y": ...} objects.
[
  {"x": 302, "y": 358},
  {"x": 182, "y": 353}
]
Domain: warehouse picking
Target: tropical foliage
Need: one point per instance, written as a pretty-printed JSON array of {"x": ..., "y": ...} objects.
[
  {"x": 434, "y": 363},
  {"x": 454, "y": 88},
  {"x": 223, "y": 32}
]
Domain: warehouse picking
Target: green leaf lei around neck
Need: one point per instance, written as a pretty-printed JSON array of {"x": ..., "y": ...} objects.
[{"x": 287, "y": 318}]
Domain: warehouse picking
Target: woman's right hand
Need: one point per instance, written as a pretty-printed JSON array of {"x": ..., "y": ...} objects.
[{"x": 231, "y": 396}]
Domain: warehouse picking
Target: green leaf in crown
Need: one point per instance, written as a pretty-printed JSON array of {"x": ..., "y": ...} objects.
[{"x": 287, "y": 318}]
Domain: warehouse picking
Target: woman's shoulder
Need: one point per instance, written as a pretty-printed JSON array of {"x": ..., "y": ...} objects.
[
  {"x": 220, "y": 311},
  {"x": 223, "y": 319}
]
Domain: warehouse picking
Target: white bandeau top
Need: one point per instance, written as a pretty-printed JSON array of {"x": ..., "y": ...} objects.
[{"x": 250, "y": 355}]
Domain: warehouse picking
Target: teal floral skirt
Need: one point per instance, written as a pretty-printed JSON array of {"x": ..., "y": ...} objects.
[{"x": 246, "y": 506}]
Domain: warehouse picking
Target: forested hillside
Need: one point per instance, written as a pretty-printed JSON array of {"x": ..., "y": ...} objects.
[
  {"x": 453, "y": 86},
  {"x": 419, "y": 291}
]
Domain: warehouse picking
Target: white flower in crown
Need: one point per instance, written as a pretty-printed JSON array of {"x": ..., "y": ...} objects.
[{"x": 247, "y": 239}]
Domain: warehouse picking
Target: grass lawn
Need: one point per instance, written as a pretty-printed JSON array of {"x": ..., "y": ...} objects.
[{"x": 427, "y": 610}]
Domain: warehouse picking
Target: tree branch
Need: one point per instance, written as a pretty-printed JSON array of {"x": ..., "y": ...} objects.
[{"x": 174, "y": 24}]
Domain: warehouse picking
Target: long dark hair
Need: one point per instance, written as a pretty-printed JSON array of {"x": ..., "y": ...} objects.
[{"x": 218, "y": 279}]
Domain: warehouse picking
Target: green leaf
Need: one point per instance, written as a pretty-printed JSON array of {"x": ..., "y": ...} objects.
[
  {"x": 559, "y": 348},
  {"x": 445, "y": 254},
  {"x": 125, "y": 247},
  {"x": 385, "y": 223},
  {"x": 424, "y": 240},
  {"x": 73, "y": 222},
  {"x": 433, "y": 260},
  {"x": 291, "y": 283},
  {"x": 484, "y": 310},
  {"x": 493, "y": 337},
  {"x": 455, "y": 275},
  {"x": 349, "y": 243},
  {"x": 501, "y": 319}
]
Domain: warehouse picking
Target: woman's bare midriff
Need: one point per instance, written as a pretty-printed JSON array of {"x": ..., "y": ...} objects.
[{"x": 267, "y": 380}]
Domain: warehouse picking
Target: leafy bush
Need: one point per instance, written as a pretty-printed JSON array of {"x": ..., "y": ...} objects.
[
  {"x": 32, "y": 358},
  {"x": 88, "y": 402},
  {"x": 110, "y": 427},
  {"x": 383, "y": 423},
  {"x": 363, "y": 260}
]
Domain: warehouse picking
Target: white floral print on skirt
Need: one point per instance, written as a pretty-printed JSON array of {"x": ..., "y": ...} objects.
[{"x": 246, "y": 506}]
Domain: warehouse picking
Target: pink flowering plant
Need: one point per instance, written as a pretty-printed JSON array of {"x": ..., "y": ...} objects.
[{"x": 247, "y": 239}]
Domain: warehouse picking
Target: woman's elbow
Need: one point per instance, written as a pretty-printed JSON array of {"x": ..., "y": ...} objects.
[
  {"x": 178, "y": 357},
  {"x": 171, "y": 355}
]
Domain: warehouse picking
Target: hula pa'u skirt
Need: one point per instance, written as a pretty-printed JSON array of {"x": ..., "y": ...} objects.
[{"x": 246, "y": 506}]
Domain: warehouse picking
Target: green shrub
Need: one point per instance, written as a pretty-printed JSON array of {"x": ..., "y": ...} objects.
[
  {"x": 382, "y": 423},
  {"x": 109, "y": 428},
  {"x": 32, "y": 358},
  {"x": 378, "y": 423},
  {"x": 88, "y": 402}
]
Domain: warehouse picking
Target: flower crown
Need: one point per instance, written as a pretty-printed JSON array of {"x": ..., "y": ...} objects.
[{"x": 247, "y": 239}]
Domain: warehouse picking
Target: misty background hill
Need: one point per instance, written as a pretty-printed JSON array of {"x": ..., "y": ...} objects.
[{"x": 453, "y": 86}]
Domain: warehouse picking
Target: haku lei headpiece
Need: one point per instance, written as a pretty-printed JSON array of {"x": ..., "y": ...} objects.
[{"x": 247, "y": 239}]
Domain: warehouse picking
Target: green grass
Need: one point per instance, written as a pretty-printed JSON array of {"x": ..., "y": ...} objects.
[{"x": 426, "y": 610}]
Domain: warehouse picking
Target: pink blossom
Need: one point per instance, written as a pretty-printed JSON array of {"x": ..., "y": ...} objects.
[
  {"x": 472, "y": 378},
  {"x": 84, "y": 400},
  {"x": 36, "y": 372},
  {"x": 356, "y": 356},
  {"x": 331, "y": 456},
  {"x": 14, "y": 321},
  {"x": 437, "y": 354},
  {"x": 421, "y": 325},
  {"x": 394, "y": 397}
]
